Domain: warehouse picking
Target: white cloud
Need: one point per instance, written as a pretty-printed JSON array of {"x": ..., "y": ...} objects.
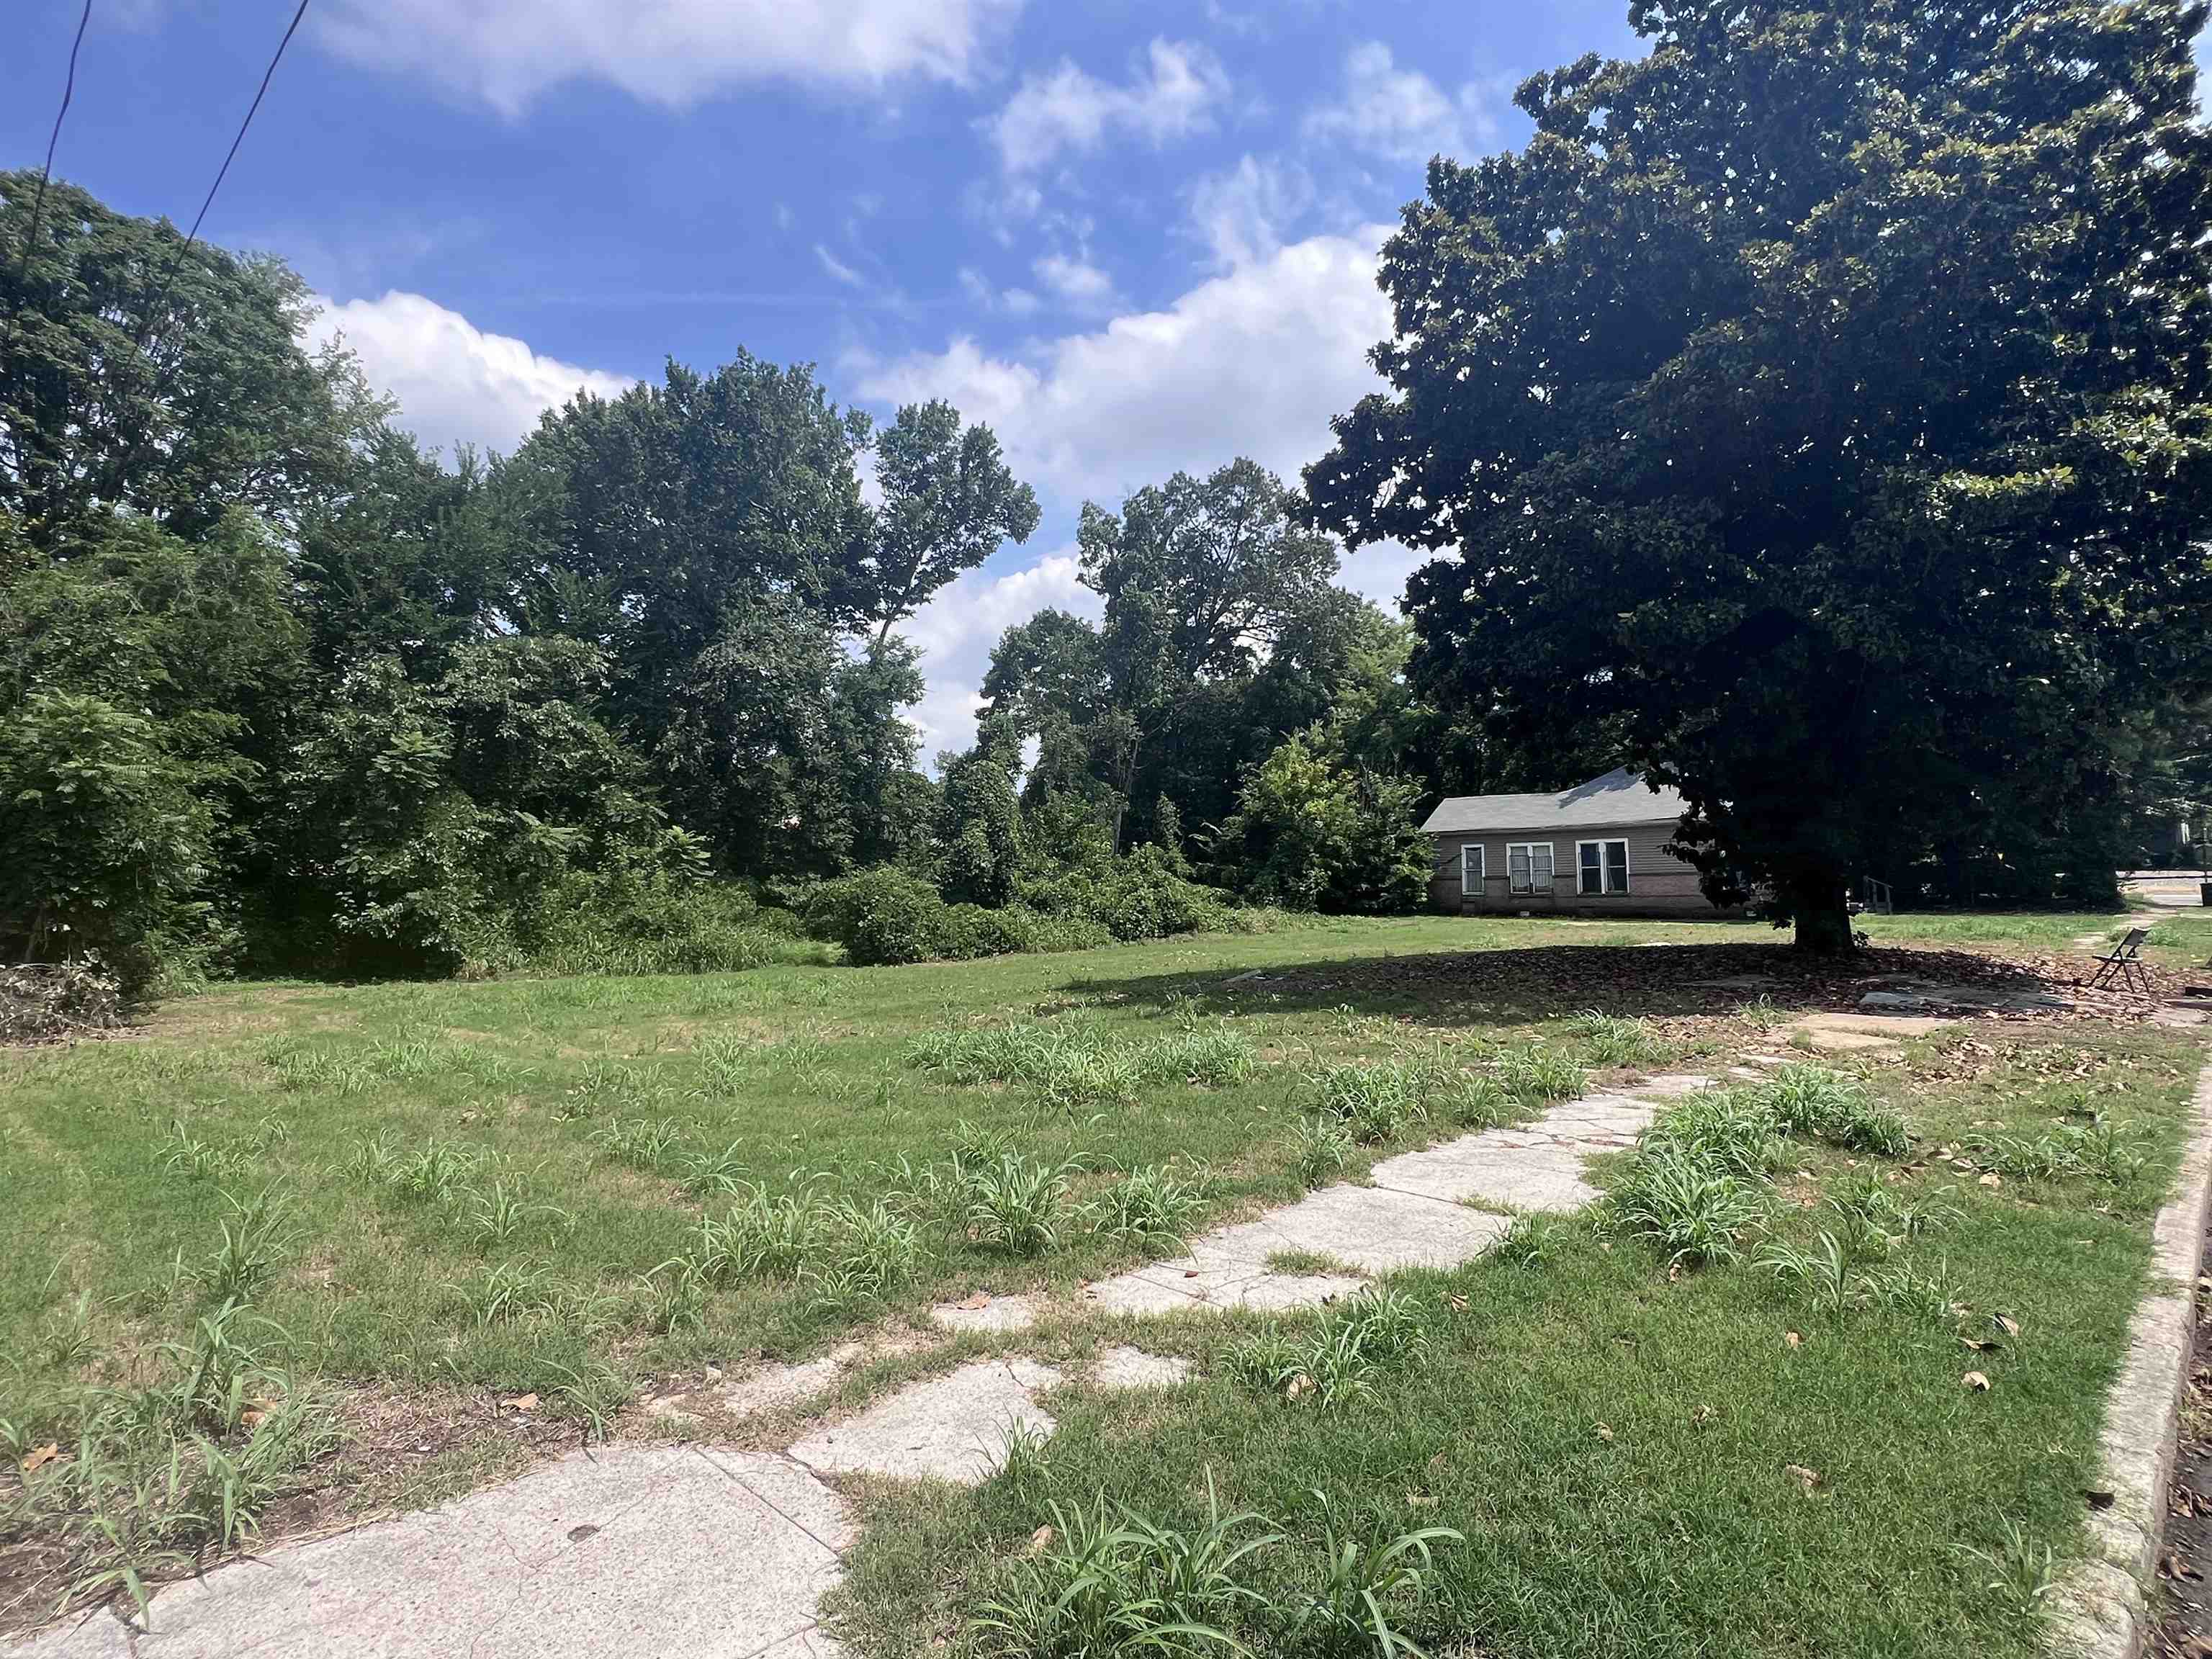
[
  {"x": 1243, "y": 215},
  {"x": 1014, "y": 302},
  {"x": 836, "y": 267},
  {"x": 1402, "y": 115},
  {"x": 455, "y": 383},
  {"x": 1254, "y": 362},
  {"x": 957, "y": 629},
  {"x": 1170, "y": 97},
  {"x": 1077, "y": 281},
  {"x": 664, "y": 52}
]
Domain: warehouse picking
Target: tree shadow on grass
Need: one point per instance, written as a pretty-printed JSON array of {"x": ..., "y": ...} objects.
[{"x": 1517, "y": 986}]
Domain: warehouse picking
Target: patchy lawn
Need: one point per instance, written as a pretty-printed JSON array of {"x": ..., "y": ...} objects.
[{"x": 425, "y": 1201}]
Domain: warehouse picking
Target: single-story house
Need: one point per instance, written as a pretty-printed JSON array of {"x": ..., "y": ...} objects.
[{"x": 1598, "y": 848}]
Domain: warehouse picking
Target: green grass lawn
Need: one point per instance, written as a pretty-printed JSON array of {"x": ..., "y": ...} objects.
[{"x": 430, "y": 1194}]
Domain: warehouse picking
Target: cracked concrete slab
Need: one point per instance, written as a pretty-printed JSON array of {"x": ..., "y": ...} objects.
[
  {"x": 1125, "y": 1367},
  {"x": 1371, "y": 1228},
  {"x": 952, "y": 1427},
  {"x": 1671, "y": 1085},
  {"x": 1846, "y": 1041},
  {"x": 640, "y": 1550},
  {"x": 998, "y": 1313},
  {"x": 1878, "y": 1023}
]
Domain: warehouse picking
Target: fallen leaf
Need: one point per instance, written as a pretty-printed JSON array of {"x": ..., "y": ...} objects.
[
  {"x": 1674, "y": 1271},
  {"x": 1806, "y": 1477},
  {"x": 252, "y": 1417},
  {"x": 1605, "y": 1434},
  {"x": 1793, "y": 1339},
  {"x": 41, "y": 1456},
  {"x": 2006, "y": 1323},
  {"x": 1976, "y": 1381},
  {"x": 1455, "y": 1301},
  {"x": 1992, "y": 1179},
  {"x": 1299, "y": 1384},
  {"x": 521, "y": 1402},
  {"x": 1703, "y": 1414},
  {"x": 1979, "y": 1346},
  {"x": 1419, "y": 1500},
  {"x": 1040, "y": 1539}
]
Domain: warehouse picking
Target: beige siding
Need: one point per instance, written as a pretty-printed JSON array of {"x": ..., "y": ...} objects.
[{"x": 1657, "y": 882}]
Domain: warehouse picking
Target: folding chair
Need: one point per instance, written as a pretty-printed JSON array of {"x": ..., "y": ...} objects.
[{"x": 2124, "y": 963}]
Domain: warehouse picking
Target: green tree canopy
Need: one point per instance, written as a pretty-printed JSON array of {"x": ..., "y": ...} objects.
[
  {"x": 1820, "y": 400},
  {"x": 137, "y": 374}
]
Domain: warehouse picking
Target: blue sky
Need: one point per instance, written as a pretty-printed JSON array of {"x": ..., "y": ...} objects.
[{"x": 1132, "y": 237}]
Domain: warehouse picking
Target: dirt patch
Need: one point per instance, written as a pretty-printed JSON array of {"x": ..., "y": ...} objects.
[{"x": 2185, "y": 1565}]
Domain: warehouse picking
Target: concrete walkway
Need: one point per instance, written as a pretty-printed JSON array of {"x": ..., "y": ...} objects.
[{"x": 654, "y": 1551}]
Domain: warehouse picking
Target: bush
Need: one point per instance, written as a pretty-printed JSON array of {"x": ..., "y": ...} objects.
[
  {"x": 1139, "y": 896},
  {"x": 881, "y": 916},
  {"x": 654, "y": 922},
  {"x": 886, "y": 916}
]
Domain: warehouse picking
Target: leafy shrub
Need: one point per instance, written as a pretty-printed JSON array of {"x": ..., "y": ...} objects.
[
  {"x": 880, "y": 916},
  {"x": 1139, "y": 896},
  {"x": 108, "y": 839}
]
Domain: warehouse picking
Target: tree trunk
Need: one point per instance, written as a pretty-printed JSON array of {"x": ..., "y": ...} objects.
[{"x": 1817, "y": 905}]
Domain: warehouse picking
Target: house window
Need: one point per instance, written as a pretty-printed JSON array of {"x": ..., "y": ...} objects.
[
  {"x": 1470, "y": 867},
  {"x": 1528, "y": 866},
  {"x": 1601, "y": 866}
]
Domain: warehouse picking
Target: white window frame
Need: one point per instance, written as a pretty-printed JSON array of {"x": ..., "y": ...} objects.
[
  {"x": 1470, "y": 880},
  {"x": 1605, "y": 888},
  {"x": 1551, "y": 866}
]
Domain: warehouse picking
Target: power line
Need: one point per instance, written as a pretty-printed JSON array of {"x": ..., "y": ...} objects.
[
  {"x": 38, "y": 201},
  {"x": 176, "y": 263},
  {"x": 193, "y": 235}
]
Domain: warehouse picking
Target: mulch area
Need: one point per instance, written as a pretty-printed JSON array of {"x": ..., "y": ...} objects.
[
  {"x": 2185, "y": 1564},
  {"x": 1688, "y": 980}
]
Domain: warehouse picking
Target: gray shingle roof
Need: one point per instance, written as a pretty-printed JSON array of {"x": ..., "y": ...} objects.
[{"x": 1620, "y": 797}]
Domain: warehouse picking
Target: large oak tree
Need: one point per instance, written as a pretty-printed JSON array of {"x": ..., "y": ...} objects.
[{"x": 1819, "y": 401}]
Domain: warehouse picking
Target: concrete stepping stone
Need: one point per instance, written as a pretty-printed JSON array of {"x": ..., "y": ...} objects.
[
  {"x": 1671, "y": 1085},
  {"x": 1881, "y": 1025},
  {"x": 628, "y": 1550},
  {"x": 774, "y": 1386},
  {"x": 1544, "y": 1175},
  {"x": 997, "y": 1313},
  {"x": 1846, "y": 1041},
  {"x": 1124, "y": 1368},
  {"x": 952, "y": 1427}
]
